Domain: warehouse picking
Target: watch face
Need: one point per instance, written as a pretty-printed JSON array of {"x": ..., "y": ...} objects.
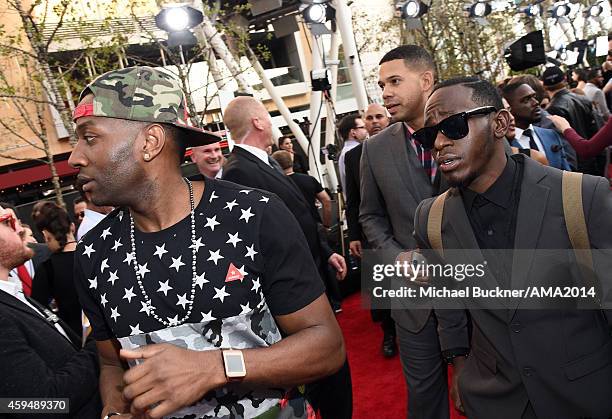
[{"x": 234, "y": 364}]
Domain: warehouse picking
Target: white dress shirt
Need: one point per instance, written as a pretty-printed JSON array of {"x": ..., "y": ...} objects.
[
  {"x": 348, "y": 146},
  {"x": 15, "y": 291},
  {"x": 257, "y": 152},
  {"x": 523, "y": 140},
  {"x": 90, "y": 220}
]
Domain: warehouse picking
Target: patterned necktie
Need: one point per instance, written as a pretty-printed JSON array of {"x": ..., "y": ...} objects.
[
  {"x": 532, "y": 144},
  {"x": 425, "y": 157},
  {"x": 26, "y": 279}
]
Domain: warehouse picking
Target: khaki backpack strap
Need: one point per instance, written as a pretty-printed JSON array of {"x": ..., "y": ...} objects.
[
  {"x": 574, "y": 218},
  {"x": 434, "y": 223}
]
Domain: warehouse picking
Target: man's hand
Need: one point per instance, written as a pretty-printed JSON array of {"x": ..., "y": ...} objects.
[
  {"x": 339, "y": 264},
  {"x": 409, "y": 257},
  {"x": 355, "y": 248},
  {"x": 458, "y": 365},
  {"x": 169, "y": 378}
]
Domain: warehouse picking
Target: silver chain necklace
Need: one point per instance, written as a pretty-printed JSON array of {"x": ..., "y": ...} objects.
[{"x": 151, "y": 307}]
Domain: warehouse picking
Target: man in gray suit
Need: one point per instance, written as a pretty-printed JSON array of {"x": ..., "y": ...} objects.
[
  {"x": 396, "y": 175},
  {"x": 546, "y": 361}
]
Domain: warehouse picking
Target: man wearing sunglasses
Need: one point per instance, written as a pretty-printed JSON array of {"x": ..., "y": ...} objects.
[
  {"x": 39, "y": 357},
  {"x": 524, "y": 363},
  {"x": 397, "y": 173}
]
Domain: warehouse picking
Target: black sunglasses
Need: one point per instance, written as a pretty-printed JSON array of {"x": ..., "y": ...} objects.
[{"x": 454, "y": 127}]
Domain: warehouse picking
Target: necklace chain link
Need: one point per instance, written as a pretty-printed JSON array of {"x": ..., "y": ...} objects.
[{"x": 151, "y": 308}]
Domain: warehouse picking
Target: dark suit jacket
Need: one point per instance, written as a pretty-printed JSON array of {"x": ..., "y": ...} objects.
[
  {"x": 37, "y": 361},
  {"x": 246, "y": 169},
  {"x": 558, "y": 359},
  {"x": 353, "y": 195},
  {"x": 393, "y": 183}
]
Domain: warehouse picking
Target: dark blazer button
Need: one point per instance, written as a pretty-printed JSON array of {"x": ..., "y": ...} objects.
[
  {"x": 516, "y": 327},
  {"x": 527, "y": 371}
]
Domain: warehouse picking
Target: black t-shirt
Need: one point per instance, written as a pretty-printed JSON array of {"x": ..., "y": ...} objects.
[
  {"x": 310, "y": 187},
  {"x": 253, "y": 262}
]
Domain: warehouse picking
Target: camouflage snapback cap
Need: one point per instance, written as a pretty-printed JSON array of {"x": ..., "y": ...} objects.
[{"x": 142, "y": 94}]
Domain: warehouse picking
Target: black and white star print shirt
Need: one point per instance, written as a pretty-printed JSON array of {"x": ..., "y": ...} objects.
[{"x": 253, "y": 263}]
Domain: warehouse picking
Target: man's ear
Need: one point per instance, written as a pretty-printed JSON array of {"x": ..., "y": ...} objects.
[
  {"x": 427, "y": 81},
  {"x": 155, "y": 137},
  {"x": 501, "y": 122}
]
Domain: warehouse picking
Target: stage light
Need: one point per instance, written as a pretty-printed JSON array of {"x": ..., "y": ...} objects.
[
  {"x": 178, "y": 18},
  {"x": 480, "y": 10},
  {"x": 595, "y": 10},
  {"x": 315, "y": 13},
  {"x": 414, "y": 9},
  {"x": 561, "y": 10}
]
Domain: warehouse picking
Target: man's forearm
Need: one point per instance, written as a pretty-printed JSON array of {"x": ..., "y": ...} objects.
[
  {"x": 326, "y": 213},
  {"x": 294, "y": 360},
  {"x": 111, "y": 386}
]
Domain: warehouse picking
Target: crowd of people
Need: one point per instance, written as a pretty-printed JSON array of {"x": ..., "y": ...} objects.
[{"x": 214, "y": 295}]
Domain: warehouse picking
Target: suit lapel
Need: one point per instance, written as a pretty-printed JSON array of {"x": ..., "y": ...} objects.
[
  {"x": 408, "y": 165},
  {"x": 532, "y": 206},
  {"x": 14, "y": 303},
  {"x": 271, "y": 172}
]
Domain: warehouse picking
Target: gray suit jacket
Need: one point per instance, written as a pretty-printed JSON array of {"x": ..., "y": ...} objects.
[
  {"x": 560, "y": 360},
  {"x": 393, "y": 183}
]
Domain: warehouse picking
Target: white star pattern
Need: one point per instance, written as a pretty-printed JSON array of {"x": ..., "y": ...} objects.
[
  {"x": 113, "y": 277},
  {"x": 93, "y": 283},
  {"x": 103, "y": 300},
  {"x": 245, "y": 309},
  {"x": 135, "y": 330},
  {"x": 120, "y": 215},
  {"x": 230, "y": 205},
  {"x": 245, "y": 191},
  {"x": 215, "y": 256},
  {"x": 105, "y": 234},
  {"x": 207, "y": 317},
  {"x": 89, "y": 250},
  {"x": 233, "y": 239},
  {"x": 129, "y": 294},
  {"x": 256, "y": 285},
  {"x": 212, "y": 196},
  {"x": 242, "y": 271},
  {"x": 264, "y": 199},
  {"x": 143, "y": 270},
  {"x": 117, "y": 245},
  {"x": 164, "y": 287},
  {"x": 197, "y": 244},
  {"x": 173, "y": 320},
  {"x": 246, "y": 214},
  {"x": 160, "y": 251},
  {"x": 251, "y": 252},
  {"x": 104, "y": 265},
  {"x": 115, "y": 313},
  {"x": 201, "y": 280},
  {"x": 212, "y": 223},
  {"x": 177, "y": 263},
  {"x": 182, "y": 300},
  {"x": 220, "y": 293},
  {"x": 129, "y": 257},
  {"x": 146, "y": 308}
]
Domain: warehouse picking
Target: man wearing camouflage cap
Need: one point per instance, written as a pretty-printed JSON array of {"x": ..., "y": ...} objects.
[{"x": 189, "y": 282}]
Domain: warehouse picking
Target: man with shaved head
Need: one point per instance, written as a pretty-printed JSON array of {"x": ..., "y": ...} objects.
[
  {"x": 376, "y": 118},
  {"x": 248, "y": 164}
]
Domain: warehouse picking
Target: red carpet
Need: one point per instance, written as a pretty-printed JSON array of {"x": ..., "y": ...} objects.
[{"x": 379, "y": 389}]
